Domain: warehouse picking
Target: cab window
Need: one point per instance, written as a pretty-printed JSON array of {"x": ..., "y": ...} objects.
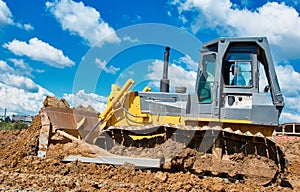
[
  {"x": 206, "y": 79},
  {"x": 240, "y": 74}
]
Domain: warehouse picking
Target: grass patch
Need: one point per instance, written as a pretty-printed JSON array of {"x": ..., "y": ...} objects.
[{"x": 13, "y": 126}]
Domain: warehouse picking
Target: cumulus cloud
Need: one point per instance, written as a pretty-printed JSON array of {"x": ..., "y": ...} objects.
[
  {"x": 83, "y": 21},
  {"x": 286, "y": 75},
  {"x": 19, "y": 63},
  {"x": 5, "y": 14},
  {"x": 18, "y": 93},
  {"x": 28, "y": 27},
  {"x": 178, "y": 75},
  {"x": 102, "y": 65},
  {"x": 20, "y": 82},
  {"x": 39, "y": 51},
  {"x": 6, "y": 17},
  {"x": 130, "y": 39},
  {"x": 20, "y": 101},
  {"x": 11, "y": 77},
  {"x": 291, "y": 92},
  {"x": 279, "y": 22},
  {"x": 21, "y": 67},
  {"x": 287, "y": 117},
  {"x": 98, "y": 102},
  {"x": 4, "y": 67},
  {"x": 189, "y": 62}
]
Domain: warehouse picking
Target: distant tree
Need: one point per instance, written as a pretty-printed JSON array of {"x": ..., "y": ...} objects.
[
  {"x": 18, "y": 125},
  {"x": 5, "y": 126},
  {"x": 7, "y": 119}
]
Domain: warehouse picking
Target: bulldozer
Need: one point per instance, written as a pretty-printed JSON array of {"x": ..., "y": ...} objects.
[{"x": 221, "y": 129}]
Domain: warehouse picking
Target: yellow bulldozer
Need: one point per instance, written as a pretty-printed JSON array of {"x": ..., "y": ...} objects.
[{"x": 224, "y": 128}]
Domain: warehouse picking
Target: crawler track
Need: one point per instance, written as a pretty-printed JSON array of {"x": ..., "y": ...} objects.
[{"x": 202, "y": 150}]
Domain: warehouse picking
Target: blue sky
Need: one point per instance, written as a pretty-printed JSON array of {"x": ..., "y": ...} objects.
[{"x": 77, "y": 49}]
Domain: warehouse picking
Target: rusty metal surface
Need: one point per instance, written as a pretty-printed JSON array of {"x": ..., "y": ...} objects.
[{"x": 67, "y": 118}]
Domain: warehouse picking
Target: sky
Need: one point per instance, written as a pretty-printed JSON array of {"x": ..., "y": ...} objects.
[{"x": 77, "y": 49}]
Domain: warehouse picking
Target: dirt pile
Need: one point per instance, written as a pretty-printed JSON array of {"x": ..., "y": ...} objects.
[
  {"x": 166, "y": 150},
  {"x": 252, "y": 168},
  {"x": 19, "y": 144},
  {"x": 292, "y": 152},
  {"x": 55, "y": 102}
]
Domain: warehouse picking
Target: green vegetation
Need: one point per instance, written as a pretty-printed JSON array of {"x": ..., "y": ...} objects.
[{"x": 12, "y": 126}]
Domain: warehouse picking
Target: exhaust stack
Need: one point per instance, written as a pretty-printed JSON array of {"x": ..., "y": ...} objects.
[
  {"x": 165, "y": 82},
  {"x": 4, "y": 116}
]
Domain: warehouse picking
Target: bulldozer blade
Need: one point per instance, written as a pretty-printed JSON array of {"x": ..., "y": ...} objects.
[
  {"x": 76, "y": 122},
  {"x": 117, "y": 160}
]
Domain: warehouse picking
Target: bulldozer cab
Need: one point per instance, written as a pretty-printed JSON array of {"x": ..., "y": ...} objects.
[{"x": 229, "y": 79}]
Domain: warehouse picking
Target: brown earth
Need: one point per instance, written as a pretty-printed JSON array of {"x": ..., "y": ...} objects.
[{"x": 21, "y": 169}]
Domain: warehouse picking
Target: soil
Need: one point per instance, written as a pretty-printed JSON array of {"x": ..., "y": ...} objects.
[
  {"x": 22, "y": 170},
  {"x": 177, "y": 157}
]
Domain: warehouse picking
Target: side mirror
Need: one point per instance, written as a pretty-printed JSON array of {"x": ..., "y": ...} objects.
[{"x": 267, "y": 88}]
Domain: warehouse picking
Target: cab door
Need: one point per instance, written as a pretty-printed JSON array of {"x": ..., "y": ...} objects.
[{"x": 204, "y": 99}]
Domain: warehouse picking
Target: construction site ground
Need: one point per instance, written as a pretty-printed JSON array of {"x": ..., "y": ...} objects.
[{"x": 22, "y": 170}]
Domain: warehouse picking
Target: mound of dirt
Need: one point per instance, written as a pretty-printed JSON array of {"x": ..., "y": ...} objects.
[
  {"x": 166, "y": 150},
  {"x": 20, "y": 144},
  {"x": 55, "y": 102},
  {"x": 292, "y": 152}
]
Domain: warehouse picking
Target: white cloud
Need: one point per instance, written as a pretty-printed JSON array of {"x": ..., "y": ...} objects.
[
  {"x": 4, "y": 67},
  {"x": 5, "y": 14},
  {"x": 84, "y": 21},
  {"x": 183, "y": 19},
  {"x": 289, "y": 81},
  {"x": 6, "y": 17},
  {"x": 39, "y": 51},
  {"x": 22, "y": 68},
  {"x": 102, "y": 65},
  {"x": 178, "y": 76},
  {"x": 287, "y": 117},
  {"x": 98, "y": 102},
  {"x": 190, "y": 63},
  {"x": 12, "y": 77},
  {"x": 279, "y": 22},
  {"x": 130, "y": 39},
  {"x": 19, "y": 63},
  {"x": 20, "y": 82},
  {"x": 19, "y": 94},
  {"x": 20, "y": 101},
  {"x": 28, "y": 27}
]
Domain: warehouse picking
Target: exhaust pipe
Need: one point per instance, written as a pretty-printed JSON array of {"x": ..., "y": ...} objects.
[
  {"x": 4, "y": 116},
  {"x": 165, "y": 82}
]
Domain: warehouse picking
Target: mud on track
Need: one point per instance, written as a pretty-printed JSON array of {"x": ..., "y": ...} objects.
[{"x": 21, "y": 169}]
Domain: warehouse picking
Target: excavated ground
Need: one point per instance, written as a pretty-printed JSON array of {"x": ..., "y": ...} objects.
[{"x": 22, "y": 170}]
